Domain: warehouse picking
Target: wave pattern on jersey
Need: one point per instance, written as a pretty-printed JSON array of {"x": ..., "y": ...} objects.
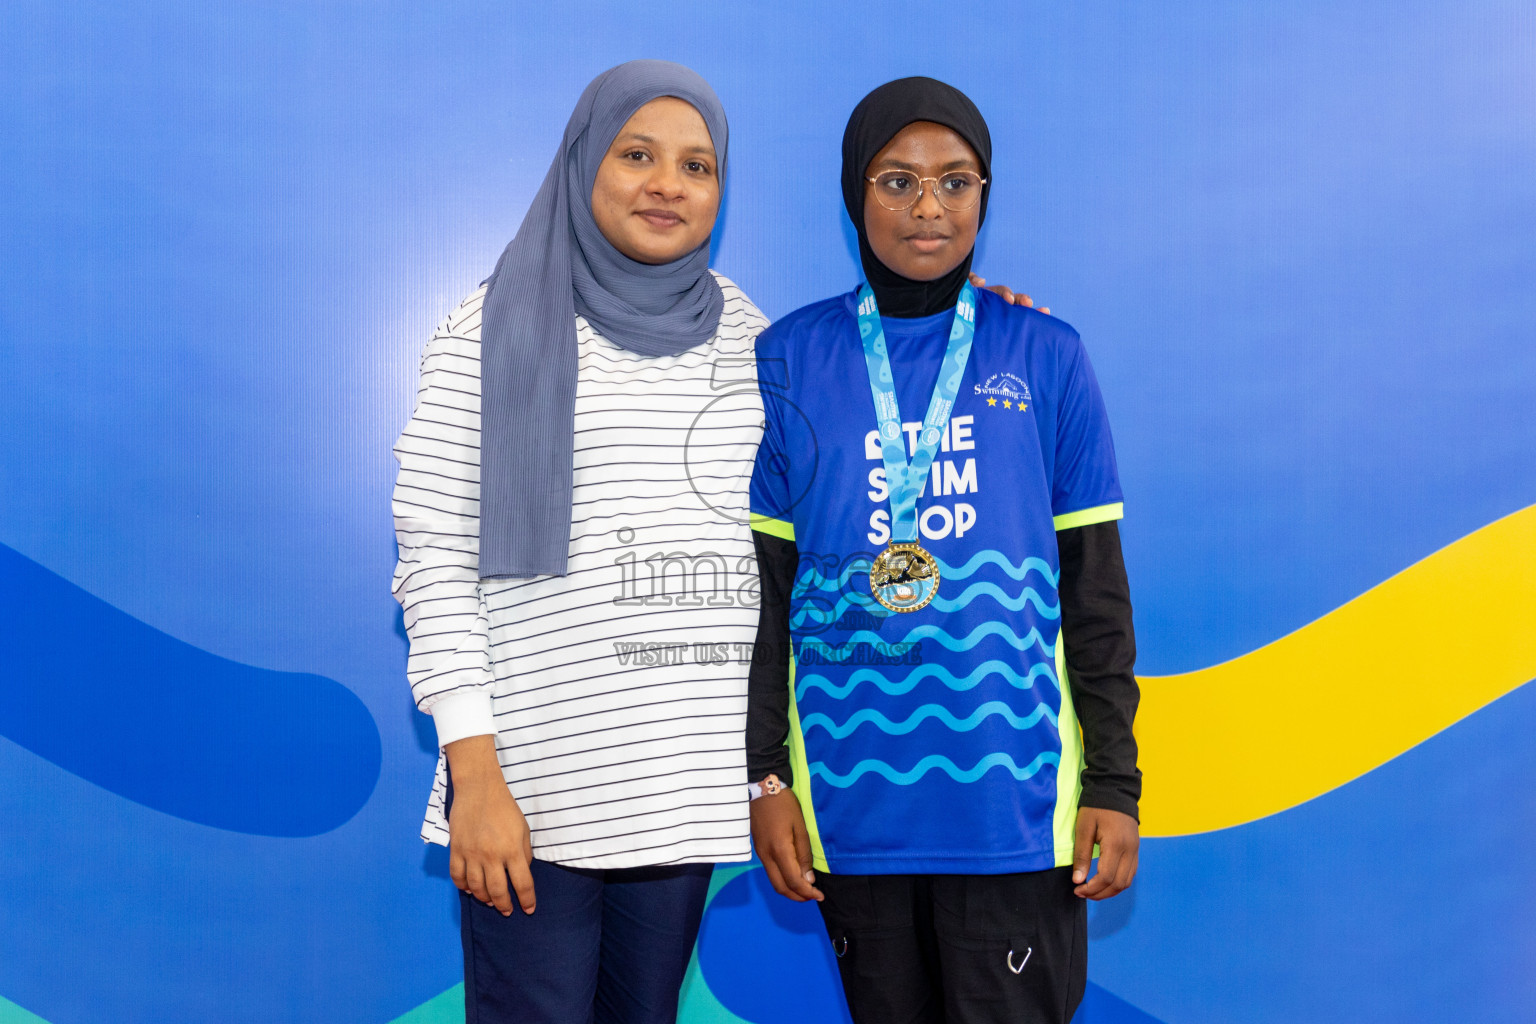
[
  {"x": 906, "y": 684},
  {"x": 928, "y": 631},
  {"x": 992, "y": 708},
  {"x": 934, "y": 762},
  {"x": 997, "y": 558},
  {"x": 813, "y": 579},
  {"x": 1028, "y": 596}
]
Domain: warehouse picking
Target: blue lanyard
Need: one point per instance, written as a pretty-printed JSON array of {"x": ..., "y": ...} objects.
[{"x": 902, "y": 480}]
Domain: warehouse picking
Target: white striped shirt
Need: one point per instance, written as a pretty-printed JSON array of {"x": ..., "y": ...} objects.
[{"x": 617, "y": 692}]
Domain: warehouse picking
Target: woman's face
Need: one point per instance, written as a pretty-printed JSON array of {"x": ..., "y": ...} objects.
[
  {"x": 925, "y": 241},
  {"x": 657, "y": 190}
]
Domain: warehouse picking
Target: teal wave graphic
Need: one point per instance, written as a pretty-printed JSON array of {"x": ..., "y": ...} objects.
[
  {"x": 812, "y": 579},
  {"x": 992, "y": 708},
  {"x": 1028, "y": 596},
  {"x": 997, "y": 558},
  {"x": 929, "y": 631},
  {"x": 931, "y": 762},
  {"x": 862, "y": 600},
  {"x": 917, "y": 675}
]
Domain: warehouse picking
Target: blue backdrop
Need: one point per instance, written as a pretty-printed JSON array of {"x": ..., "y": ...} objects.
[{"x": 1296, "y": 238}]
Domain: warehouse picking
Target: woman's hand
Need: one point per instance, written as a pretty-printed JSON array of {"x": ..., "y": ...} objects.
[
  {"x": 1007, "y": 294},
  {"x": 488, "y": 839},
  {"x": 784, "y": 846}
]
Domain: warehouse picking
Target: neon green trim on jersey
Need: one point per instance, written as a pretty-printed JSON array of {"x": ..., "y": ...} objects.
[
  {"x": 801, "y": 787},
  {"x": 1084, "y": 517},
  {"x": 773, "y": 527},
  {"x": 1069, "y": 785}
]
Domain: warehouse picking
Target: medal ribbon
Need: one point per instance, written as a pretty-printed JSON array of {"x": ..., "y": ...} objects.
[{"x": 904, "y": 480}]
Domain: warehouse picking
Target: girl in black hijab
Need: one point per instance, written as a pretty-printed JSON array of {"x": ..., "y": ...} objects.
[
  {"x": 956, "y": 900},
  {"x": 874, "y": 123}
]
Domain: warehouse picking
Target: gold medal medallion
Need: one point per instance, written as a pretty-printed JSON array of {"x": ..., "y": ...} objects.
[{"x": 904, "y": 577}]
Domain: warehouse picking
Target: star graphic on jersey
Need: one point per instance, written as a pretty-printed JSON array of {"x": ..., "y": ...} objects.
[
  {"x": 991, "y": 401},
  {"x": 1021, "y": 407},
  {"x": 1007, "y": 404}
]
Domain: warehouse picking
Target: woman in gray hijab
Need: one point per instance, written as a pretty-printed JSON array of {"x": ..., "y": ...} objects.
[{"x": 571, "y": 514}]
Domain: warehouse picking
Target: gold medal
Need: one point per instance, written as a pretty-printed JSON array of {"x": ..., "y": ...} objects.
[{"x": 904, "y": 577}]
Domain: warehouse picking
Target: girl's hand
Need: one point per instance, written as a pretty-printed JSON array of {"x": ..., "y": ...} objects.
[
  {"x": 784, "y": 846},
  {"x": 1119, "y": 840}
]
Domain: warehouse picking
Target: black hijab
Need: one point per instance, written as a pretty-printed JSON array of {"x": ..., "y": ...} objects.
[{"x": 874, "y": 123}]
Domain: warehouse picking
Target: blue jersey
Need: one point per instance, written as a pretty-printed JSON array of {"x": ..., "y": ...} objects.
[{"x": 939, "y": 740}]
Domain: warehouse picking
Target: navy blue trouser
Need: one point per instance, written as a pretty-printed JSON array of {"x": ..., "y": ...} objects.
[{"x": 603, "y": 947}]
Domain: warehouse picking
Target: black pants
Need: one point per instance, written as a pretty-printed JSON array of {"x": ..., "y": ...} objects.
[{"x": 958, "y": 949}]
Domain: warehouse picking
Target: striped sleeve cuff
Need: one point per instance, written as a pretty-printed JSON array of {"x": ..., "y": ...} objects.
[
  {"x": 781, "y": 528},
  {"x": 1088, "y": 516},
  {"x": 463, "y": 714}
]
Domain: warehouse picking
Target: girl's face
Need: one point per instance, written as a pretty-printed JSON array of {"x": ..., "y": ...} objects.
[
  {"x": 925, "y": 241},
  {"x": 657, "y": 190}
]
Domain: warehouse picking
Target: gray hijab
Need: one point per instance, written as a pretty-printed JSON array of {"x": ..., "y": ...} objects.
[{"x": 560, "y": 265}]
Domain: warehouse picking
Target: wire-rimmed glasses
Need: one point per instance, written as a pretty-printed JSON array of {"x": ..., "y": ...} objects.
[{"x": 900, "y": 190}]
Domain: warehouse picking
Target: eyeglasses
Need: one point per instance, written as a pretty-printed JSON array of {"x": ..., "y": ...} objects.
[{"x": 900, "y": 190}]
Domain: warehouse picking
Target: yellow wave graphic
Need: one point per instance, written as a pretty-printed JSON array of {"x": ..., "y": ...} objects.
[{"x": 1303, "y": 715}]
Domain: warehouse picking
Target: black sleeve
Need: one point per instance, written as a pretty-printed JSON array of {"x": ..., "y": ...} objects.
[
  {"x": 768, "y": 680},
  {"x": 1101, "y": 662}
]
